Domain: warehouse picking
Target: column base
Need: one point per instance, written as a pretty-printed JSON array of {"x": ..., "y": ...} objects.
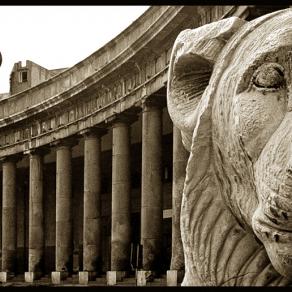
[
  {"x": 174, "y": 277},
  {"x": 5, "y": 276},
  {"x": 57, "y": 277},
  {"x": 85, "y": 277},
  {"x": 112, "y": 277},
  {"x": 143, "y": 277},
  {"x": 30, "y": 277}
]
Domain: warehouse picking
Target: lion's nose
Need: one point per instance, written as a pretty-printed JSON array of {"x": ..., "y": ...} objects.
[
  {"x": 271, "y": 228},
  {"x": 276, "y": 239}
]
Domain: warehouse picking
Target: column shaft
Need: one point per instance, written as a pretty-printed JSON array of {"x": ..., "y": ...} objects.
[
  {"x": 92, "y": 204},
  {"x": 151, "y": 188},
  {"x": 64, "y": 240},
  {"x": 121, "y": 187},
  {"x": 36, "y": 216},
  {"x": 180, "y": 157},
  {"x": 9, "y": 217}
]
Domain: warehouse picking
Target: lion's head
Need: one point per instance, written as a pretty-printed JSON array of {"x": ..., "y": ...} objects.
[{"x": 230, "y": 94}]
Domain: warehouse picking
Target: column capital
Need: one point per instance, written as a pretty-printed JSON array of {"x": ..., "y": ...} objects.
[
  {"x": 93, "y": 131},
  {"x": 152, "y": 101},
  {"x": 37, "y": 151},
  {"x": 68, "y": 142},
  {"x": 13, "y": 158},
  {"x": 127, "y": 118}
]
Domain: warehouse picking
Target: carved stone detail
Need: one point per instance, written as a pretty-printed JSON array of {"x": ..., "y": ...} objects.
[{"x": 229, "y": 92}]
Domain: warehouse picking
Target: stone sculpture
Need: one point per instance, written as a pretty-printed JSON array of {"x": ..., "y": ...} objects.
[{"x": 230, "y": 94}]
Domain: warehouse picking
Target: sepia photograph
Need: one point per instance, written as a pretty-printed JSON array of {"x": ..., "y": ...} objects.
[{"x": 145, "y": 145}]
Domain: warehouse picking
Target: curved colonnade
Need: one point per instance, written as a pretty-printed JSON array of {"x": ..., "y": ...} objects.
[{"x": 104, "y": 95}]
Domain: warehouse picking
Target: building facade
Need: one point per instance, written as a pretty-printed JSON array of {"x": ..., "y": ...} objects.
[{"x": 92, "y": 168}]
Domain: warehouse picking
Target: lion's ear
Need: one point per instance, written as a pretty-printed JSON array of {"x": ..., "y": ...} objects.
[{"x": 194, "y": 54}]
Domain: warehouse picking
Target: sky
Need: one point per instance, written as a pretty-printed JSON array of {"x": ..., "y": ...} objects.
[{"x": 58, "y": 36}]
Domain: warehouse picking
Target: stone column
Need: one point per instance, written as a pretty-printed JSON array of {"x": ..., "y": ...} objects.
[
  {"x": 92, "y": 206},
  {"x": 121, "y": 190},
  {"x": 8, "y": 219},
  {"x": 36, "y": 239},
  {"x": 64, "y": 238},
  {"x": 151, "y": 187},
  {"x": 180, "y": 157}
]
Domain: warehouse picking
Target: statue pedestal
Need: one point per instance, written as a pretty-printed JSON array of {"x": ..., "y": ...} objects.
[
  {"x": 85, "y": 277},
  {"x": 57, "y": 277},
  {"x": 112, "y": 277},
  {"x": 143, "y": 277},
  {"x": 30, "y": 277},
  {"x": 174, "y": 277},
  {"x": 5, "y": 276}
]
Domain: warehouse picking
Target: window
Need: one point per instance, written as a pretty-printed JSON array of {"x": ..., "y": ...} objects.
[{"x": 22, "y": 76}]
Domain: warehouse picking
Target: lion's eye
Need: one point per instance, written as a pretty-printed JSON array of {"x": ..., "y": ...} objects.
[{"x": 269, "y": 76}]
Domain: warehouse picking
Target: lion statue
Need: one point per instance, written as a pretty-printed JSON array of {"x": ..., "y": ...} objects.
[{"x": 230, "y": 95}]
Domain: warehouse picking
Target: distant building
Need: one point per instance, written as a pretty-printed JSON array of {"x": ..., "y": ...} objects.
[{"x": 32, "y": 74}]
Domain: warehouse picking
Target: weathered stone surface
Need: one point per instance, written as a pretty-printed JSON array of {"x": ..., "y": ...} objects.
[
  {"x": 121, "y": 187},
  {"x": 85, "y": 277},
  {"x": 30, "y": 277},
  {"x": 151, "y": 187},
  {"x": 36, "y": 218},
  {"x": 143, "y": 277},
  {"x": 57, "y": 277},
  {"x": 112, "y": 277},
  {"x": 9, "y": 216},
  {"x": 5, "y": 276},
  {"x": 236, "y": 205},
  {"x": 92, "y": 206},
  {"x": 180, "y": 157},
  {"x": 64, "y": 242},
  {"x": 174, "y": 277}
]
